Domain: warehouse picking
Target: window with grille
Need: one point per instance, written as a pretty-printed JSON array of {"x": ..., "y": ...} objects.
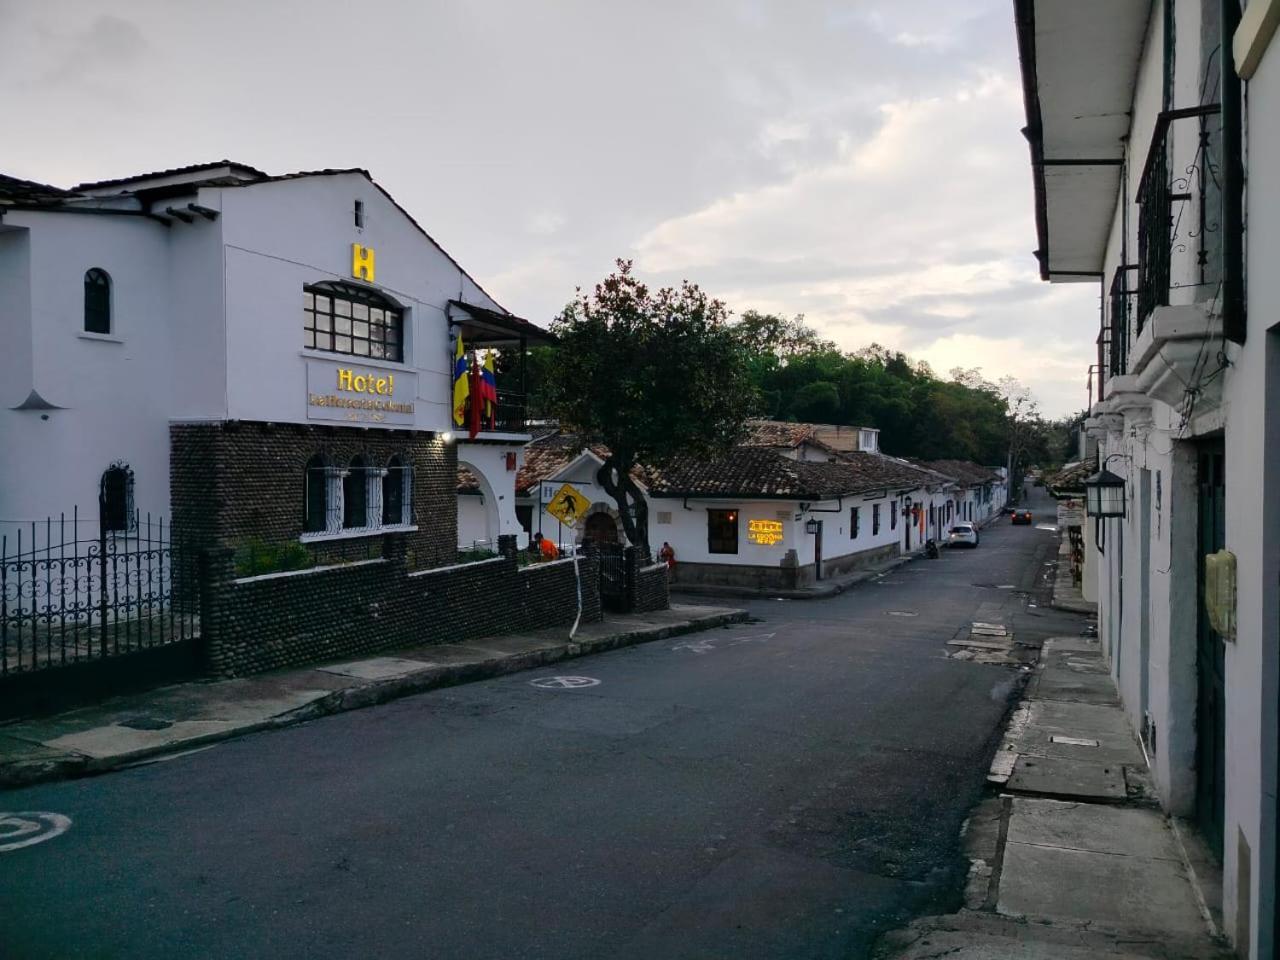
[
  {"x": 97, "y": 301},
  {"x": 345, "y": 318},
  {"x": 722, "y": 531},
  {"x": 115, "y": 499},
  {"x": 893, "y": 515},
  {"x": 355, "y": 495},
  {"x": 855, "y": 522},
  {"x": 875, "y": 519},
  {"x": 395, "y": 493}
]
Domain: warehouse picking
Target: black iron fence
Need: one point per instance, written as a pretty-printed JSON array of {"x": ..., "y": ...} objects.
[
  {"x": 67, "y": 598},
  {"x": 1178, "y": 207},
  {"x": 613, "y": 577}
]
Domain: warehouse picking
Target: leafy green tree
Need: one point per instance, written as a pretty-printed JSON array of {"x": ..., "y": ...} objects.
[
  {"x": 652, "y": 375},
  {"x": 817, "y": 402}
]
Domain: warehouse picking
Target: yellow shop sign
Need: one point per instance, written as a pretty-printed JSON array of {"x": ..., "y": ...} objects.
[{"x": 766, "y": 532}]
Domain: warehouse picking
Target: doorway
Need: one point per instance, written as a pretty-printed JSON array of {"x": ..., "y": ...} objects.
[
  {"x": 600, "y": 528},
  {"x": 1210, "y": 663},
  {"x": 817, "y": 552}
]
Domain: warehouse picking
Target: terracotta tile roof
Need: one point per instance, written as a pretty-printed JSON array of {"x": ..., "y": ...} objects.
[
  {"x": 776, "y": 433},
  {"x": 753, "y": 471},
  {"x": 1071, "y": 478},
  {"x": 468, "y": 482},
  {"x": 547, "y": 455},
  {"x": 962, "y": 471},
  {"x": 15, "y": 190},
  {"x": 172, "y": 172}
]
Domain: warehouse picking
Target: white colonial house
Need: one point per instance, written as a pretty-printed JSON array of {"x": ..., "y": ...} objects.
[
  {"x": 1155, "y": 148},
  {"x": 793, "y": 504},
  {"x": 254, "y": 358}
]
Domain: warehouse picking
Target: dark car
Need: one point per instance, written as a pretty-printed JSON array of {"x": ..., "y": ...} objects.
[{"x": 1022, "y": 516}]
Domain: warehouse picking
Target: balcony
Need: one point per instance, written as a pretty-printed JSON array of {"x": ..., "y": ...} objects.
[
  {"x": 1179, "y": 198},
  {"x": 510, "y": 337}
]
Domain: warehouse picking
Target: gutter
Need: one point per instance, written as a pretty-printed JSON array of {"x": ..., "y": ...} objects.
[{"x": 1024, "y": 16}]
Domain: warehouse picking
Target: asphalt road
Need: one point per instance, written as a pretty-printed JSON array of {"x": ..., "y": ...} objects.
[{"x": 784, "y": 788}]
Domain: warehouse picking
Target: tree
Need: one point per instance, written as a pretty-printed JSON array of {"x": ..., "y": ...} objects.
[
  {"x": 1025, "y": 425},
  {"x": 652, "y": 375},
  {"x": 817, "y": 402}
]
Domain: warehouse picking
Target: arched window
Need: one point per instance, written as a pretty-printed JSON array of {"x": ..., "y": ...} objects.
[
  {"x": 115, "y": 499},
  {"x": 97, "y": 301},
  {"x": 346, "y": 318},
  {"x": 355, "y": 495},
  {"x": 396, "y": 495},
  {"x": 316, "y": 497}
]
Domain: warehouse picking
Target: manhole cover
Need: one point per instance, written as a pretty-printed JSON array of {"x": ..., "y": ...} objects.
[{"x": 146, "y": 723}]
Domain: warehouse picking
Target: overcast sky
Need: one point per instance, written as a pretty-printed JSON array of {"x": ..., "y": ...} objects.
[{"x": 857, "y": 162}]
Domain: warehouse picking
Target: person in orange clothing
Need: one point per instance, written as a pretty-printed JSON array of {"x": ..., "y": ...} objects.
[
  {"x": 546, "y": 549},
  {"x": 668, "y": 556}
]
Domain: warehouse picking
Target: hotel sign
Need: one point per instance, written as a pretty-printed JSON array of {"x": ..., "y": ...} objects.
[
  {"x": 764, "y": 532},
  {"x": 345, "y": 392}
]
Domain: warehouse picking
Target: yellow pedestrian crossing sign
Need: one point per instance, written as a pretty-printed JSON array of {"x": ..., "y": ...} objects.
[{"x": 568, "y": 505}]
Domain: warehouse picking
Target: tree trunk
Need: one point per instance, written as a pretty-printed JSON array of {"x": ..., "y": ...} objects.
[{"x": 614, "y": 476}]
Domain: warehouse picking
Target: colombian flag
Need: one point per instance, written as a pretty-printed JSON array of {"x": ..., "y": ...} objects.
[
  {"x": 461, "y": 384},
  {"x": 489, "y": 389}
]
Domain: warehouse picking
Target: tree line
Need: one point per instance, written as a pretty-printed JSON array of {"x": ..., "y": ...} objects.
[{"x": 657, "y": 373}]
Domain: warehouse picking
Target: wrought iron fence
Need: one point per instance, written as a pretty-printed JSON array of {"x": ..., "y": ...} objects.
[
  {"x": 511, "y": 414},
  {"x": 1176, "y": 209},
  {"x": 65, "y": 599}
]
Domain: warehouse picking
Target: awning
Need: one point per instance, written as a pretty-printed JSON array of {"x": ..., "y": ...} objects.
[
  {"x": 1079, "y": 67},
  {"x": 489, "y": 328}
]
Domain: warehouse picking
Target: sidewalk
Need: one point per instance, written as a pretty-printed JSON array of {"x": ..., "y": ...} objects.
[
  {"x": 1066, "y": 594},
  {"x": 129, "y": 729},
  {"x": 1071, "y": 856}
]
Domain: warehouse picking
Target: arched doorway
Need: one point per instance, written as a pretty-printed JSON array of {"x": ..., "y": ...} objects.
[{"x": 600, "y": 528}]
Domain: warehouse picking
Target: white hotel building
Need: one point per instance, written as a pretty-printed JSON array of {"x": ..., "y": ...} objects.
[{"x": 259, "y": 358}]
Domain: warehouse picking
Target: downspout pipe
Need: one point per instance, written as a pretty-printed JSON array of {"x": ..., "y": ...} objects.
[{"x": 1233, "y": 302}]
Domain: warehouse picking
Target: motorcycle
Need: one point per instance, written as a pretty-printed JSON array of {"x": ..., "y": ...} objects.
[{"x": 931, "y": 549}]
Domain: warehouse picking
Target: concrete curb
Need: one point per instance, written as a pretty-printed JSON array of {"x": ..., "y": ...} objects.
[{"x": 23, "y": 773}]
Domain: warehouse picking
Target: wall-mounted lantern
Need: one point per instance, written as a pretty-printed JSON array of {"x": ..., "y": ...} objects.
[
  {"x": 811, "y": 525},
  {"x": 1104, "y": 499}
]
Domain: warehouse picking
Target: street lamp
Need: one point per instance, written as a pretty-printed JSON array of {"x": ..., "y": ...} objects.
[
  {"x": 1104, "y": 498},
  {"x": 811, "y": 525}
]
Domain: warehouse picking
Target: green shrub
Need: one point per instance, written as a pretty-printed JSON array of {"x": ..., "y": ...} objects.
[{"x": 254, "y": 557}]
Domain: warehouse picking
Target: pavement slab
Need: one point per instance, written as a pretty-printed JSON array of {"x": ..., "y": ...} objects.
[
  {"x": 1097, "y": 828},
  {"x": 1057, "y": 777},
  {"x": 1119, "y": 892}
]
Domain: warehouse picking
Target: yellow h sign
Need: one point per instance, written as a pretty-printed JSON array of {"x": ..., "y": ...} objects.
[{"x": 362, "y": 262}]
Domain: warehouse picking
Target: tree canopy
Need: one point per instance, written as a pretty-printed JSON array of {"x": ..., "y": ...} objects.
[{"x": 650, "y": 374}]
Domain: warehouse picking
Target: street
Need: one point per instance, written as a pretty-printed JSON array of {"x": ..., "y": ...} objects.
[{"x": 789, "y": 787}]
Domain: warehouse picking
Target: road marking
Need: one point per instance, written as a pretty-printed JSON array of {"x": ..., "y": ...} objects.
[
  {"x": 564, "y": 683},
  {"x": 24, "y": 828},
  {"x": 1073, "y": 741},
  {"x": 707, "y": 644},
  {"x": 902, "y": 613}
]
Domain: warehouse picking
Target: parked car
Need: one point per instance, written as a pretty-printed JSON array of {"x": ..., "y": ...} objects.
[
  {"x": 963, "y": 533},
  {"x": 1022, "y": 516}
]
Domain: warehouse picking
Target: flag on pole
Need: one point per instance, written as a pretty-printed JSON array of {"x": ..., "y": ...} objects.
[
  {"x": 489, "y": 389},
  {"x": 461, "y": 384},
  {"x": 473, "y": 414}
]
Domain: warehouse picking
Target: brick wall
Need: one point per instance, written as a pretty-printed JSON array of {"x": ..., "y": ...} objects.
[
  {"x": 231, "y": 483},
  {"x": 650, "y": 588},
  {"x": 263, "y": 623}
]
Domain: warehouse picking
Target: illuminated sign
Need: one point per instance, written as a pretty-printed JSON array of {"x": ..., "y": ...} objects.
[
  {"x": 355, "y": 395},
  {"x": 362, "y": 262},
  {"x": 766, "y": 532}
]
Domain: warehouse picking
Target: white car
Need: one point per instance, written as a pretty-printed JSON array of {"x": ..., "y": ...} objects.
[{"x": 964, "y": 533}]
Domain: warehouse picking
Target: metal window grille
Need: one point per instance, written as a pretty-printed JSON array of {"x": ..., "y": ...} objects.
[
  {"x": 115, "y": 499},
  {"x": 344, "y": 318},
  {"x": 97, "y": 301},
  {"x": 855, "y": 522},
  {"x": 396, "y": 493},
  {"x": 875, "y": 519}
]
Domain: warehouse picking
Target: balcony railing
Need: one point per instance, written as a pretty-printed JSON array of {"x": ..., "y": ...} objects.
[
  {"x": 1177, "y": 209},
  {"x": 511, "y": 416}
]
